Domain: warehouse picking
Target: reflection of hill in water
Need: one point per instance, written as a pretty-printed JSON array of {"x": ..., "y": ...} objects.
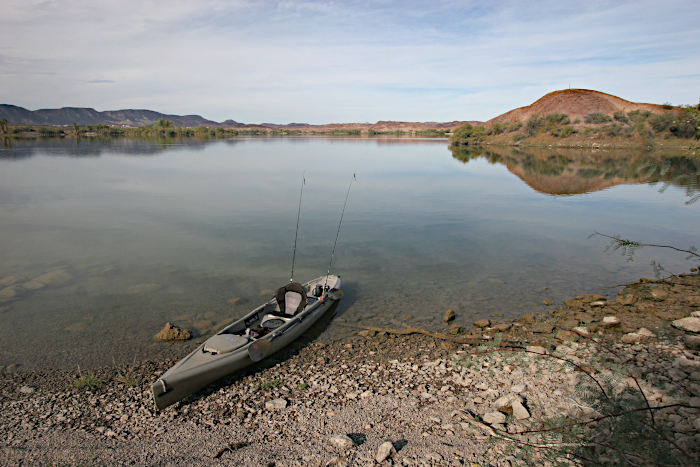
[
  {"x": 573, "y": 171},
  {"x": 21, "y": 148}
]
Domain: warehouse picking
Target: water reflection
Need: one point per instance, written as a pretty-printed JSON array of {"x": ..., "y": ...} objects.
[{"x": 574, "y": 172}]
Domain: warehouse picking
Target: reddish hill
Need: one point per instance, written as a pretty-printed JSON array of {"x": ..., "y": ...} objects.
[{"x": 576, "y": 103}]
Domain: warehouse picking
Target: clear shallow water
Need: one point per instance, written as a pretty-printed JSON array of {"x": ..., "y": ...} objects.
[{"x": 207, "y": 221}]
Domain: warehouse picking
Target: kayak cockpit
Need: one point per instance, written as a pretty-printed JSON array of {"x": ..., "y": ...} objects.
[{"x": 289, "y": 301}]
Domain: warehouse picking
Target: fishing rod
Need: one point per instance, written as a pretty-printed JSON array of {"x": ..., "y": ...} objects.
[
  {"x": 325, "y": 286},
  {"x": 303, "y": 182}
]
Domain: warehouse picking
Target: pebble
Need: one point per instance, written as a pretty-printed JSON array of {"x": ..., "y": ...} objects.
[
  {"x": 449, "y": 316},
  {"x": 385, "y": 450},
  {"x": 343, "y": 442},
  {"x": 276, "y": 404}
]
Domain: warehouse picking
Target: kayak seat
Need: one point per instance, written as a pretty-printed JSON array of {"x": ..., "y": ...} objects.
[{"x": 291, "y": 299}]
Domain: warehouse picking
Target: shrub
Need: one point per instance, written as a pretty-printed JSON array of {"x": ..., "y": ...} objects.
[
  {"x": 519, "y": 137},
  {"x": 639, "y": 115},
  {"x": 533, "y": 124},
  {"x": 683, "y": 128},
  {"x": 515, "y": 126},
  {"x": 597, "y": 118},
  {"x": 557, "y": 118},
  {"x": 567, "y": 131},
  {"x": 498, "y": 128},
  {"x": 660, "y": 122},
  {"x": 467, "y": 134},
  {"x": 621, "y": 117},
  {"x": 642, "y": 129}
]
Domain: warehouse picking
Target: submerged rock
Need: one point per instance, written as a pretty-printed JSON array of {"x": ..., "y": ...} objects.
[
  {"x": 11, "y": 280},
  {"x": 170, "y": 332},
  {"x": 14, "y": 292},
  {"x": 55, "y": 278}
]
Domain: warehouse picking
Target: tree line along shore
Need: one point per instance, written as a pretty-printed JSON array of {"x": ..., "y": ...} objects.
[{"x": 165, "y": 128}]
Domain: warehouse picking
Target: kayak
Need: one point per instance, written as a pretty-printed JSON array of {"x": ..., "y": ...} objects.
[{"x": 262, "y": 332}]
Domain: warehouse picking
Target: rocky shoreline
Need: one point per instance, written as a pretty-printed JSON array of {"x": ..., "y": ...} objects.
[{"x": 436, "y": 398}]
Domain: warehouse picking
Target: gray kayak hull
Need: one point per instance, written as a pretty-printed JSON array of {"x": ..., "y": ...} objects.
[{"x": 201, "y": 367}]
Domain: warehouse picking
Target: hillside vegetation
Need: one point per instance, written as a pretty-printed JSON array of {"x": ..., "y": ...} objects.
[{"x": 577, "y": 117}]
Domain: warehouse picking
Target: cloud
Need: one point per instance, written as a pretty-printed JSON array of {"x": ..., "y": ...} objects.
[
  {"x": 341, "y": 61},
  {"x": 100, "y": 81}
]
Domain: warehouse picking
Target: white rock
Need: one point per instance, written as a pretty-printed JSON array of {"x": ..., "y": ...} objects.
[
  {"x": 342, "y": 442},
  {"x": 276, "y": 404},
  {"x": 518, "y": 388},
  {"x": 691, "y": 324},
  {"x": 582, "y": 330},
  {"x": 646, "y": 332},
  {"x": 696, "y": 423},
  {"x": 385, "y": 450},
  {"x": 695, "y": 314},
  {"x": 519, "y": 411},
  {"x": 610, "y": 321},
  {"x": 493, "y": 418},
  {"x": 26, "y": 390}
]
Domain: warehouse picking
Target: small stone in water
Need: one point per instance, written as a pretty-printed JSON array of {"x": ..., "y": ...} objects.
[{"x": 449, "y": 316}]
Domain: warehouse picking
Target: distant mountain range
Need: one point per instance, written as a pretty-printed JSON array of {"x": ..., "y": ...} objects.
[
  {"x": 87, "y": 116},
  {"x": 131, "y": 117}
]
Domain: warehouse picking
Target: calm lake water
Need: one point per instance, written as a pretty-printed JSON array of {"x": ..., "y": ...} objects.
[{"x": 135, "y": 233}]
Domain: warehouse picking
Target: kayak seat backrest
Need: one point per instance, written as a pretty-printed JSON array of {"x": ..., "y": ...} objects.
[{"x": 291, "y": 299}]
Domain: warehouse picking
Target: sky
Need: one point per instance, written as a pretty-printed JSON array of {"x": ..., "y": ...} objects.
[{"x": 343, "y": 61}]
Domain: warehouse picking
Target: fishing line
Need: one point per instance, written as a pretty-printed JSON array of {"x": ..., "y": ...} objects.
[
  {"x": 303, "y": 182},
  {"x": 338, "y": 233}
]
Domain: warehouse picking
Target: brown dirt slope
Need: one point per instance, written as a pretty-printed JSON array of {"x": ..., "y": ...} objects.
[{"x": 576, "y": 103}]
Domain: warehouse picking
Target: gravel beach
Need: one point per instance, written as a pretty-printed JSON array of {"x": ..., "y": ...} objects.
[{"x": 382, "y": 397}]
